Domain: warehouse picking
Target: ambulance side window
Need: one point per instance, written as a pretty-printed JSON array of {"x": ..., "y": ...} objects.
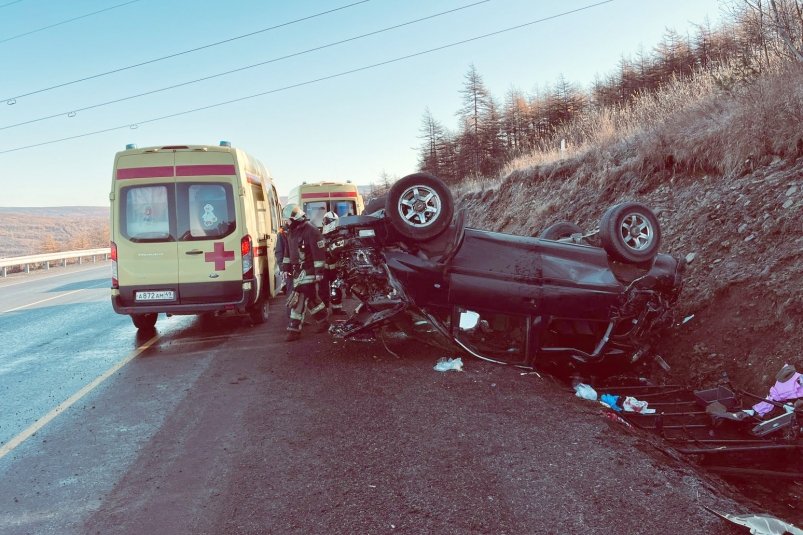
[
  {"x": 146, "y": 213},
  {"x": 205, "y": 211},
  {"x": 261, "y": 209},
  {"x": 274, "y": 214}
]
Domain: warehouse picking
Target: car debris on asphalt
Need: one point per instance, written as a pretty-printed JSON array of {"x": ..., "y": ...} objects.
[
  {"x": 760, "y": 524},
  {"x": 449, "y": 364}
]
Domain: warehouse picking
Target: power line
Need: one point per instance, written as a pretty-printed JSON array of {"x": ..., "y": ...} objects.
[
  {"x": 309, "y": 82},
  {"x": 74, "y": 111},
  {"x": 64, "y": 21},
  {"x": 13, "y": 100}
]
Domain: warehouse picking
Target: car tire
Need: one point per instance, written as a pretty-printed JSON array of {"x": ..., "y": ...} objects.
[
  {"x": 259, "y": 312},
  {"x": 144, "y": 321},
  {"x": 630, "y": 232},
  {"x": 419, "y": 206},
  {"x": 561, "y": 229}
]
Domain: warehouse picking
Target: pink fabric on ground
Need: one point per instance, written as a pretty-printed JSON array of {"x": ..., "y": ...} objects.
[{"x": 791, "y": 389}]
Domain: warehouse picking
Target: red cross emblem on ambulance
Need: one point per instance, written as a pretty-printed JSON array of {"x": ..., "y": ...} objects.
[{"x": 219, "y": 256}]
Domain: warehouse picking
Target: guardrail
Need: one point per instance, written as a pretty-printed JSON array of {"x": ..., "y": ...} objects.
[{"x": 48, "y": 258}]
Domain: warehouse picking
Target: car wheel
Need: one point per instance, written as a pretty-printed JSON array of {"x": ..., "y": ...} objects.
[
  {"x": 259, "y": 312},
  {"x": 561, "y": 229},
  {"x": 144, "y": 321},
  {"x": 419, "y": 206},
  {"x": 630, "y": 232},
  {"x": 374, "y": 205}
]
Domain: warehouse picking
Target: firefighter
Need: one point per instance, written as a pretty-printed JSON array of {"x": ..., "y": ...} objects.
[
  {"x": 304, "y": 262},
  {"x": 331, "y": 295},
  {"x": 283, "y": 248}
]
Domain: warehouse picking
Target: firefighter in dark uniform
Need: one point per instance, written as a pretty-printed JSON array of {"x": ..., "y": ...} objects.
[
  {"x": 304, "y": 262},
  {"x": 282, "y": 248},
  {"x": 331, "y": 295}
]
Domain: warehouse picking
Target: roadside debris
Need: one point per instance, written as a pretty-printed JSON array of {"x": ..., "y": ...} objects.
[
  {"x": 718, "y": 410},
  {"x": 629, "y": 403},
  {"x": 760, "y": 524},
  {"x": 662, "y": 363},
  {"x": 582, "y": 390},
  {"x": 611, "y": 401},
  {"x": 788, "y": 386},
  {"x": 612, "y": 416},
  {"x": 447, "y": 364}
]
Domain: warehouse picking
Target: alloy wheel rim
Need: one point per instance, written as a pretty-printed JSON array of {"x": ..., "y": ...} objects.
[
  {"x": 637, "y": 232},
  {"x": 419, "y": 206}
]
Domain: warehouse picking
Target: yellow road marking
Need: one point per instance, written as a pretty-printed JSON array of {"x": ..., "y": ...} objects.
[{"x": 69, "y": 402}]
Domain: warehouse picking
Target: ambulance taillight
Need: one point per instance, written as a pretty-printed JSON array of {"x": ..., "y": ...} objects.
[
  {"x": 248, "y": 257},
  {"x": 115, "y": 282}
]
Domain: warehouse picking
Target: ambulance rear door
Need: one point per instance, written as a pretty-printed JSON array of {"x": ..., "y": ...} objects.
[
  {"x": 144, "y": 229},
  {"x": 209, "y": 221}
]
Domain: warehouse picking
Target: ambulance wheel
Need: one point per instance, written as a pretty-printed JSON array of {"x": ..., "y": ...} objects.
[
  {"x": 259, "y": 312},
  {"x": 144, "y": 321}
]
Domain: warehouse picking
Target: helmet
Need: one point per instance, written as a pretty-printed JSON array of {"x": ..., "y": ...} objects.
[
  {"x": 329, "y": 217},
  {"x": 293, "y": 213}
]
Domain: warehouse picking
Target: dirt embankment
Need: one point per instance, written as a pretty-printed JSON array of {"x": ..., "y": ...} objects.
[{"x": 743, "y": 234}]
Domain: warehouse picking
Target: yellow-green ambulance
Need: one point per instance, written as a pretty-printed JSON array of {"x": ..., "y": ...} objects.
[
  {"x": 193, "y": 230},
  {"x": 317, "y": 198}
]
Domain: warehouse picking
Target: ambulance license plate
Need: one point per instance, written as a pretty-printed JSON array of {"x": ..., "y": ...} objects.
[{"x": 162, "y": 295}]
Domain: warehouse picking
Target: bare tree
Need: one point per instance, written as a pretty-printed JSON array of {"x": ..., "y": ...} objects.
[
  {"x": 432, "y": 134},
  {"x": 565, "y": 102},
  {"x": 788, "y": 18},
  {"x": 775, "y": 21},
  {"x": 477, "y": 105}
]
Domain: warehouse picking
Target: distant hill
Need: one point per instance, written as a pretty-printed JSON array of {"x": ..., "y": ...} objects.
[{"x": 25, "y": 231}]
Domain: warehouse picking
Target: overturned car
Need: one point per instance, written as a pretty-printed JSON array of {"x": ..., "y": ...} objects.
[{"x": 502, "y": 297}]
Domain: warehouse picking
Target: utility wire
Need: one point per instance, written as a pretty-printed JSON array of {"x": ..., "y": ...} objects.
[
  {"x": 134, "y": 126},
  {"x": 64, "y": 21},
  {"x": 9, "y": 3},
  {"x": 13, "y": 100},
  {"x": 73, "y": 112}
]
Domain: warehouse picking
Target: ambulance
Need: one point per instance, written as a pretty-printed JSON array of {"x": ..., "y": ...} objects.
[
  {"x": 317, "y": 198},
  {"x": 193, "y": 230}
]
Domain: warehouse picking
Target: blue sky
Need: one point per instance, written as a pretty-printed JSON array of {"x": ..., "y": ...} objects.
[{"x": 354, "y": 126}]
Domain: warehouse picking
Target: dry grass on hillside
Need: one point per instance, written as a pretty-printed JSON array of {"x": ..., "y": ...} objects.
[
  {"x": 704, "y": 124},
  {"x": 26, "y": 231},
  {"x": 723, "y": 168}
]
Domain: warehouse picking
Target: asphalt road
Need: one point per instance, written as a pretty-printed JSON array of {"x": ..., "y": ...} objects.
[{"x": 228, "y": 429}]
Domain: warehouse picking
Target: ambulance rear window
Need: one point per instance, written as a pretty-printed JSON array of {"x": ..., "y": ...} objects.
[
  {"x": 315, "y": 211},
  {"x": 209, "y": 211},
  {"x": 146, "y": 215},
  {"x": 344, "y": 208}
]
